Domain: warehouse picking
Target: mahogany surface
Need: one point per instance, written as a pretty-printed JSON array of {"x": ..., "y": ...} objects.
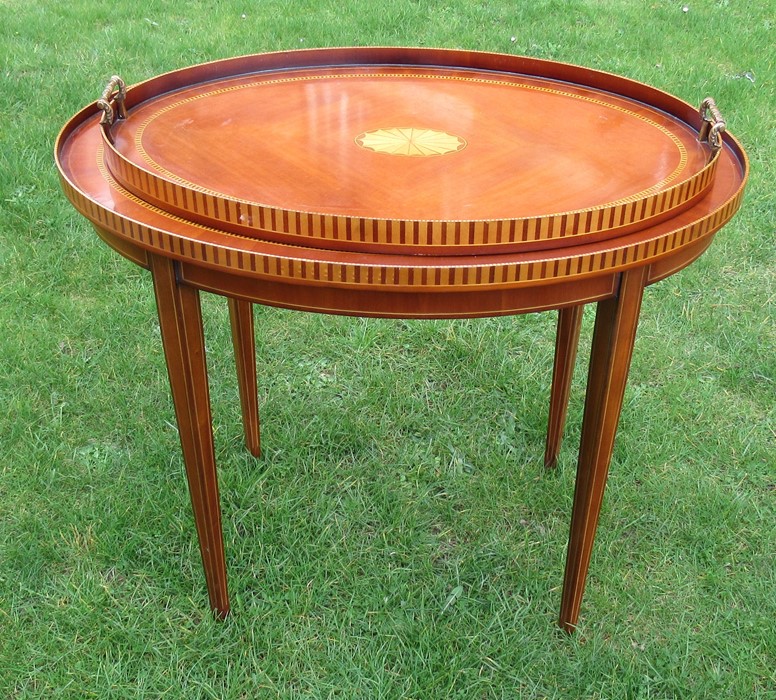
[
  {"x": 566, "y": 343},
  {"x": 291, "y": 155},
  {"x": 401, "y": 183}
]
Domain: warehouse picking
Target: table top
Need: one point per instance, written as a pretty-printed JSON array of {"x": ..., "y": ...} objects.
[{"x": 401, "y": 169}]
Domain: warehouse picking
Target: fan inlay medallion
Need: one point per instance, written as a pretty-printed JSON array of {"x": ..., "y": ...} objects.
[{"x": 409, "y": 141}]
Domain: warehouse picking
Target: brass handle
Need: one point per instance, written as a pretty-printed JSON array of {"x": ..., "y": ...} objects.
[
  {"x": 115, "y": 91},
  {"x": 711, "y": 128}
]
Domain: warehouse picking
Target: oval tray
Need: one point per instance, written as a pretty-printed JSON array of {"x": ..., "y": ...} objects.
[{"x": 406, "y": 150}]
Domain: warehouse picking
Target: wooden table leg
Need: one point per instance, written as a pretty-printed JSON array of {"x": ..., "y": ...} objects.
[
  {"x": 180, "y": 320},
  {"x": 241, "y": 318},
  {"x": 613, "y": 338},
  {"x": 566, "y": 343}
]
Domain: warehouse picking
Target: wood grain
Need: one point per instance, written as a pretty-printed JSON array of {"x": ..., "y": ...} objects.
[
  {"x": 241, "y": 321},
  {"x": 610, "y": 356},
  {"x": 180, "y": 321},
  {"x": 566, "y": 343}
]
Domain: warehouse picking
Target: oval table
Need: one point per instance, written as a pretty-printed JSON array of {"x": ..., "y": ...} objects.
[{"x": 409, "y": 183}]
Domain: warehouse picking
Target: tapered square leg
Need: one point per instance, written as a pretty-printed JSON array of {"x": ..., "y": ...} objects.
[
  {"x": 180, "y": 320},
  {"x": 610, "y": 356},
  {"x": 566, "y": 343},
  {"x": 241, "y": 319}
]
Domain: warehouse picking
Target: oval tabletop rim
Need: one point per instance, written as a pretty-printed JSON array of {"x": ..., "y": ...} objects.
[
  {"x": 456, "y": 236},
  {"x": 94, "y": 193}
]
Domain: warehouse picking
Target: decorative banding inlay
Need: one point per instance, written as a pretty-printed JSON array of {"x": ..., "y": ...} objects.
[
  {"x": 305, "y": 268},
  {"x": 410, "y": 141}
]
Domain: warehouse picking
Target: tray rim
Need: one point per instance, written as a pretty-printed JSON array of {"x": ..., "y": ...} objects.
[{"x": 537, "y": 233}]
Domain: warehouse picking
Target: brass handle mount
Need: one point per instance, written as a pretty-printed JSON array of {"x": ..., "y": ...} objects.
[
  {"x": 112, "y": 105},
  {"x": 712, "y": 124}
]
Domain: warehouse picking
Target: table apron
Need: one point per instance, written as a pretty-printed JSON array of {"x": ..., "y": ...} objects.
[{"x": 386, "y": 303}]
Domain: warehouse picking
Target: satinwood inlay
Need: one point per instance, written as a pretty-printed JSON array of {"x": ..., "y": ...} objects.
[{"x": 410, "y": 141}]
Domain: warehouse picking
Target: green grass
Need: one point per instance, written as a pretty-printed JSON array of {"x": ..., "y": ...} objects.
[{"x": 399, "y": 537}]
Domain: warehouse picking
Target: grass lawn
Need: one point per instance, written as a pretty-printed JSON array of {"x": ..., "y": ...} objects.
[{"x": 399, "y": 538}]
